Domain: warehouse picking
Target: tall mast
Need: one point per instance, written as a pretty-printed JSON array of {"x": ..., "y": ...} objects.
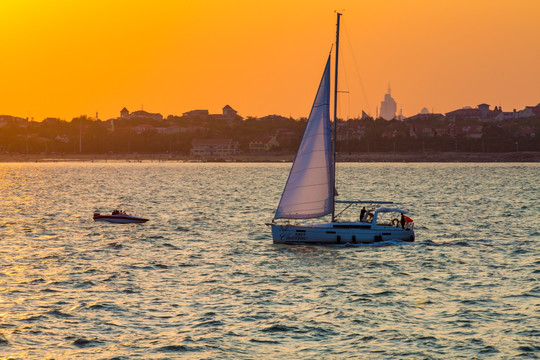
[{"x": 335, "y": 117}]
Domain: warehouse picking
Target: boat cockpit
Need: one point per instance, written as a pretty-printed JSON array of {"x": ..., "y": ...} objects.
[{"x": 371, "y": 214}]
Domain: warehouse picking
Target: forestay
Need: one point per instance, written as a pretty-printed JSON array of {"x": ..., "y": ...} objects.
[{"x": 310, "y": 187}]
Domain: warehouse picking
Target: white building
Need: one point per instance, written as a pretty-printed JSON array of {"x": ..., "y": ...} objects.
[{"x": 214, "y": 147}]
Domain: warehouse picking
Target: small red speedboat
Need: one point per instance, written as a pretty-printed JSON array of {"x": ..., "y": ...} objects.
[{"x": 119, "y": 217}]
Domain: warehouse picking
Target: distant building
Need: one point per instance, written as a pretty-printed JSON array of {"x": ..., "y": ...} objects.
[
  {"x": 469, "y": 131},
  {"x": 140, "y": 114},
  {"x": 214, "y": 147},
  {"x": 530, "y": 111},
  {"x": 124, "y": 113},
  {"x": 196, "y": 113},
  {"x": 505, "y": 115},
  {"x": 228, "y": 114},
  {"x": 350, "y": 131},
  {"x": 426, "y": 124},
  {"x": 388, "y": 106},
  {"x": 51, "y": 121},
  {"x": 463, "y": 113},
  {"x": 484, "y": 110},
  {"x": 263, "y": 144},
  {"x": 400, "y": 117},
  {"x": 424, "y": 116},
  {"x": 428, "y": 130},
  {"x": 481, "y": 112},
  {"x": 139, "y": 129},
  {"x": 8, "y": 119},
  {"x": 62, "y": 138},
  {"x": 171, "y": 130}
]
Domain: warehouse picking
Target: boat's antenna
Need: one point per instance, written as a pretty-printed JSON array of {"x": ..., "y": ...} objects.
[{"x": 335, "y": 116}]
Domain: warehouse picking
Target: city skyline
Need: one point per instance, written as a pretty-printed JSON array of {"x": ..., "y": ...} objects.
[
  {"x": 227, "y": 109},
  {"x": 65, "y": 59}
]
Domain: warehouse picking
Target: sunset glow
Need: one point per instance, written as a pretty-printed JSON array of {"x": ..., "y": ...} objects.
[{"x": 63, "y": 59}]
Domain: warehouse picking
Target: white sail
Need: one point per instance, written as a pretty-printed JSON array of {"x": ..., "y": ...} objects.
[{"x": 310, "y": 187}]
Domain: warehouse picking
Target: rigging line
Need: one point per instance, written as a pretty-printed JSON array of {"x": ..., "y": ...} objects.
[{"x": 356, "y": 67}]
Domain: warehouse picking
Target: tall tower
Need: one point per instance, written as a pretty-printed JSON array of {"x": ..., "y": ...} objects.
[{"x": 388, "y": 106}]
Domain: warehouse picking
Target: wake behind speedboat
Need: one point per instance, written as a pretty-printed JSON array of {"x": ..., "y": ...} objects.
[{"x": 119, "y": 217}]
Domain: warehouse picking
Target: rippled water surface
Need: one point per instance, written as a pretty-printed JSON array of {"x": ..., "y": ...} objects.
[{"x": 202, "y": 279}]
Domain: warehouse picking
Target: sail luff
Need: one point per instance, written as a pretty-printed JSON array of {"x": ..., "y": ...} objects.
[{"x": 309, "y": 189}]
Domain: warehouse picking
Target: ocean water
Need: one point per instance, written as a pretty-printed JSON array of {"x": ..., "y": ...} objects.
[{"x": 202, "y": 279}]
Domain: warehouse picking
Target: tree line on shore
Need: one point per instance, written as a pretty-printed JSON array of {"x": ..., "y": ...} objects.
[{"x": 174, "y": 135}]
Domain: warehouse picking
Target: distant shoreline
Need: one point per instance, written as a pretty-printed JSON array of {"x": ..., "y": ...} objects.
[{"x": 274, "y": 157}]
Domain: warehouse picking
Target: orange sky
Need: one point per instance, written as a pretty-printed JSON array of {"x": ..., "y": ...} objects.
[{"x": 65, "y": 58}]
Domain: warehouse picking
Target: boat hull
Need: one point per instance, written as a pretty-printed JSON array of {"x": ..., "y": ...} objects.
[
  {"x": 120, "y": 219},
  {"x": 338, "y": 233}
]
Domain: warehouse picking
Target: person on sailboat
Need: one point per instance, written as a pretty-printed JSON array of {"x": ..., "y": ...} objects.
[{"x": 368, "y": 217}]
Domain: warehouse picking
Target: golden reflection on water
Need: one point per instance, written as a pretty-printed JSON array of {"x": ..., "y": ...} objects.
[
  {"x": 202, "y": 278},
  {"x": 20, "y": 189}
]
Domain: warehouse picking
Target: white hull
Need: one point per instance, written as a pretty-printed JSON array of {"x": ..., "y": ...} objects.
[
  {"x": 338, "y": 233},
  {"x": 120, "y": 219}
]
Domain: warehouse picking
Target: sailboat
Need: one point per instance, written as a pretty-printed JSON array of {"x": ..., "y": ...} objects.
[{"x": 310, "y": 191}]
